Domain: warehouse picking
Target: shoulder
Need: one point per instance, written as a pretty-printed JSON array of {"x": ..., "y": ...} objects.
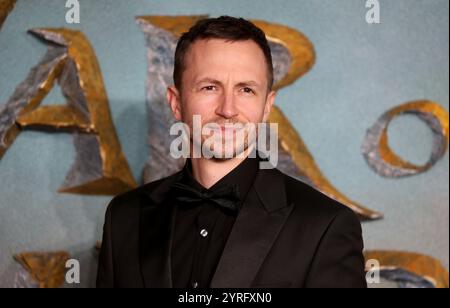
[
  {"x": 313, "y": 204},
  {"x": 150, "y": 194}
]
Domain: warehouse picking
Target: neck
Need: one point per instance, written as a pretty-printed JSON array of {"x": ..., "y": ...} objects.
[{"x": 209, "y": 171}]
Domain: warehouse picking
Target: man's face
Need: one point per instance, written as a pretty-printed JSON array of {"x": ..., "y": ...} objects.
[{"x": 223, "y": 82}]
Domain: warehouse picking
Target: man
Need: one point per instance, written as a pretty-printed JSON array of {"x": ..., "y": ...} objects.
[{"x": 225, "y": 222}]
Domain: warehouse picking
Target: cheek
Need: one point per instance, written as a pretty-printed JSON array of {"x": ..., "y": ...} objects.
[
  {"x": 255, "y": 117},
  {"x": 194, "y": 105},
  {"x": 254, "y": 112}
]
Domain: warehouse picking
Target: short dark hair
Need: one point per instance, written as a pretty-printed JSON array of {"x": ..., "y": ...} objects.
[{"x": 224, "y": 27}]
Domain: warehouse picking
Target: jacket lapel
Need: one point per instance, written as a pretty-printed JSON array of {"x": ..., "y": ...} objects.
[
  {"x": 156, "y": 227},
  {"x": 256, "y": 228}
]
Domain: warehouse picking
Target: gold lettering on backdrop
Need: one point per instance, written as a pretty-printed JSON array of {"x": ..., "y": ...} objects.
[
  {"x": 384, "y": 161},
  {"x": 6, "y": 7},
  {"x": 416, "y": 263},
  {"x": 100, "y": 166},
  {"x": 47, "y": 269},
  {"x": 302, "y": 56}
]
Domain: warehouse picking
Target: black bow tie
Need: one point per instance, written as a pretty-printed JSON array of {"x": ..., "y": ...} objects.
[{"x": 226, "y": 196}]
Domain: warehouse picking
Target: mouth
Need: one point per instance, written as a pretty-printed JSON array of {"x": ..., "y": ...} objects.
[{"x": 228, "y": 131}]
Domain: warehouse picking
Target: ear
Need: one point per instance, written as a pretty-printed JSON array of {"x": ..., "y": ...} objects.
[
  {"x": 174, "y": 100},
  {"x": 270, "y": 100}
]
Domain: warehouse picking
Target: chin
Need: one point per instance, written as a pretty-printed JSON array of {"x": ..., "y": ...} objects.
[{"x": 221, "y": 155}]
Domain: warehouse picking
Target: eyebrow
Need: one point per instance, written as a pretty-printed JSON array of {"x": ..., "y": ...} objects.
[
  {"x": 248, "y": 83},
  {"x": 208, "y": 80},
  {"x": 217, "y": 82}
]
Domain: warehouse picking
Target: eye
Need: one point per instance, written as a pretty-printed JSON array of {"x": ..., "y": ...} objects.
[
  {"x": 209, "y": 88},
  {"x": 248, "y": 90}
]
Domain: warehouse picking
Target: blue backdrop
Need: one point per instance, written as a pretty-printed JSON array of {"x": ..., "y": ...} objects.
[{"x": 361, "y": 71}]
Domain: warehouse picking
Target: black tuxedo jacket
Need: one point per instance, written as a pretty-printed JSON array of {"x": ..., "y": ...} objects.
[{"x": 287, "y": 234}]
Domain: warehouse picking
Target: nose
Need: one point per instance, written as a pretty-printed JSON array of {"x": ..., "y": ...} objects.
[{"x": 227, "y": 107}]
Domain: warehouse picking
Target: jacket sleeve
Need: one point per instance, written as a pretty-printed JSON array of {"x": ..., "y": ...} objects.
[
  {"x": 339, "y": 261},
  {"x": 105, "y": 271}
]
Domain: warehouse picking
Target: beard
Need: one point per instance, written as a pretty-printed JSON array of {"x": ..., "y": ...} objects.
[{"x": 224, "y": 140}]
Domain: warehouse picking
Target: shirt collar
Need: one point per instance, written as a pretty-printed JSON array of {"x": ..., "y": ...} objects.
[{"x": 243, "y": 176}]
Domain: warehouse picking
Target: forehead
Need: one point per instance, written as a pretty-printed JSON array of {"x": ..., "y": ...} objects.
[{"x": 217, "y": 58}]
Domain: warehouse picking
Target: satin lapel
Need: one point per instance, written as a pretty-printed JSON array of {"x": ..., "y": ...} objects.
[{"x": 256, "y": 228}]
